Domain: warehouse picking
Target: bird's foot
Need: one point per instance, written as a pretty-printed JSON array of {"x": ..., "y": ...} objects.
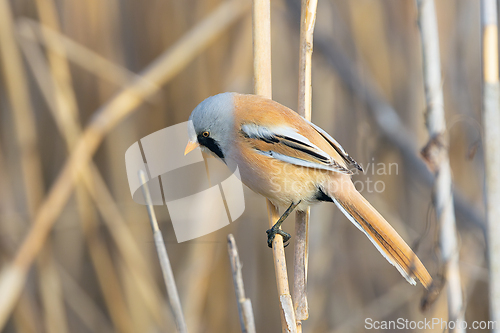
[{"x": 271, "y": 233}]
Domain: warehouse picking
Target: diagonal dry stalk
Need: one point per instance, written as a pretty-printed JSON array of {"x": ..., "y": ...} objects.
[
  {"x": 163, "y": 69},
  {"x": 307, "y": 22},
  {"x": 491, "y": 141},
  {"x": 166, "y": 268},
  {"x": 83, "y": 305},
  {"x": 436, "y": 155},
  {"x": 244, "y": 304},
  {"x": 65, "y": 111},
  {"x": 60, "y": 99},
  {"x": 18, "y": 95},
  {"x": 65, "y": 47},
  {"x": 25, "y": 317}
]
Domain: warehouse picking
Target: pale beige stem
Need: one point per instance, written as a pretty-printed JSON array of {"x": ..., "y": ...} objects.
[
  {"x": 288, "y": 323},
  {"x": 22, "y": 111},
  {"x": 436, "y": 155},
  {"x": 244, "y": 304},
  {"x": 166, "y": 268},
  {"x": 491, "y": 140},
  {"x": 307, "y": 22},
  {"x": 261, "y": 19}
]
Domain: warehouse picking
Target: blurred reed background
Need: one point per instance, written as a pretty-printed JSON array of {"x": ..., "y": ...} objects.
[{"x": 98, "y": 271}]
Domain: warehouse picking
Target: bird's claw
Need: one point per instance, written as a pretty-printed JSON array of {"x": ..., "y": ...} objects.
[{"x": 271, "y": 233}]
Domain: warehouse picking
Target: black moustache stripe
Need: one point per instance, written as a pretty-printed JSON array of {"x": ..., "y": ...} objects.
[{"x": 211, "y": 144}]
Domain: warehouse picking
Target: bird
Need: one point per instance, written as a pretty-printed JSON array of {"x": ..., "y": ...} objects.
[{"x": 294, "y": 163}]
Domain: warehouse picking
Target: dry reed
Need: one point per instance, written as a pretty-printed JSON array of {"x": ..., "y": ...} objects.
[
  {"x": 93, "y": 182},
  {"x": 261, "y": 19},
  {"x": 13, "y": 277},
  {"x": 436, "y": 156},
  {"x": 491, "y": 139},
  {"x": 367, "y": 93},
  {"x": 244, "y": 304},
  {"x": 26, "y": 135},
  {"x": 166, "y": 268},
  {"x": 307, "y": 22}
]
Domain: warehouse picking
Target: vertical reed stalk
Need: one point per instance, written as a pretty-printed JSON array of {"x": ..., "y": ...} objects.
[
  {"x": 261, "y": 19},
  {"x": 25, "y": 316},
  {"x": 436, "y": 155},
  {"x": 307, "y": 22},
  {"x": 26, "y": 135},
  {"x": 491, "y": 141},
  {"x": 244, "y": 304},
  {"x": 22, "y": 111}
]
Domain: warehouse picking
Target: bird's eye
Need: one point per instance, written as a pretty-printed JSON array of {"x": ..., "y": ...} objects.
[{"x": 206, "y": 134}]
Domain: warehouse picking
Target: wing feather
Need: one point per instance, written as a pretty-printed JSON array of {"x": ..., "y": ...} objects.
[
  {"x": 285, "y": 144},
  {"x": 341, "y": 151}
]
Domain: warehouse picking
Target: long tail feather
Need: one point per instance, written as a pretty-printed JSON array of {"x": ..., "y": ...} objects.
[{"x": 359, "y": 211}]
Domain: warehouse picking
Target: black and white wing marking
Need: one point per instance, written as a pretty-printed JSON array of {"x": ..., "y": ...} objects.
[
  {"x": 285, "y": 144},
  {"x": 341, "y": 151}
]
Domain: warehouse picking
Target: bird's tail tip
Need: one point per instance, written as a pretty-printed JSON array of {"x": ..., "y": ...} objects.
[{"x": 385, "y": 238}]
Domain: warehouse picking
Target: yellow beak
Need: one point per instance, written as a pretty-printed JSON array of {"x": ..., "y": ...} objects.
[{"x": 191, "y": 146}]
